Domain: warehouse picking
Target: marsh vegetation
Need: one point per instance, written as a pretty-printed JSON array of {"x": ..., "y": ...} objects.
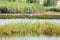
[
  {"x": 30, "y": 28},
  {"x": 27, "y": 6}
]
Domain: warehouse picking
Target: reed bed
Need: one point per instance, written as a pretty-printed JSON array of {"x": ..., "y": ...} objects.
[{"x": 30, "y": 29}]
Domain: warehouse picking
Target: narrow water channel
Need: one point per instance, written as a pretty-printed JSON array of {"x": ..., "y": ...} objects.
[{"x": 6, "y": 21}]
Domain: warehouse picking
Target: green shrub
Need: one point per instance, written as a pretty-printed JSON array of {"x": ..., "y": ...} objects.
[
  {"x": 53, "y": 9},
  {"x": 3, "y": 10}
]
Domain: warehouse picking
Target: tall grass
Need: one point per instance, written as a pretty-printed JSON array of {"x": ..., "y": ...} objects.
[
  {"x": 22, "y": 29},
  {"x": 19, "y": 7},
  {"x": 30, "y": 29},
  {"x": 51, "y": 29}
]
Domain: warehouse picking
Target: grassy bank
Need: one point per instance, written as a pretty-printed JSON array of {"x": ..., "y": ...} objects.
[
  {"x": 26, "y": 8},
  {"x": 19, "y": 7},
  {"x": 10, "y": 16},
  {"x": 30, "y": 29}
]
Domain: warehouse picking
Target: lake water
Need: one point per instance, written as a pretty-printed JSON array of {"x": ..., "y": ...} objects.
[{"x": 6, "y": 21}]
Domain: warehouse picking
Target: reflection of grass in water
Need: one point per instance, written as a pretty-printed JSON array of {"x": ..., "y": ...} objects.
[{"x": 30, "y": 29}]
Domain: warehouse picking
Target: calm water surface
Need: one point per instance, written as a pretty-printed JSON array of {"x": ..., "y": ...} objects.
[{"x": 6, "y": 21}]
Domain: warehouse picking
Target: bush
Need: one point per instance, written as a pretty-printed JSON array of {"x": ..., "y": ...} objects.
[{"x": 53, "y": 9}]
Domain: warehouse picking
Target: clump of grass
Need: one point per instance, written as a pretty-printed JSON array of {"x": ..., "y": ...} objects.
[
  {"x": 5, "y": 30},
  {"x": 48, "y": 29},
  {"x": 51, "y": 29}
]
